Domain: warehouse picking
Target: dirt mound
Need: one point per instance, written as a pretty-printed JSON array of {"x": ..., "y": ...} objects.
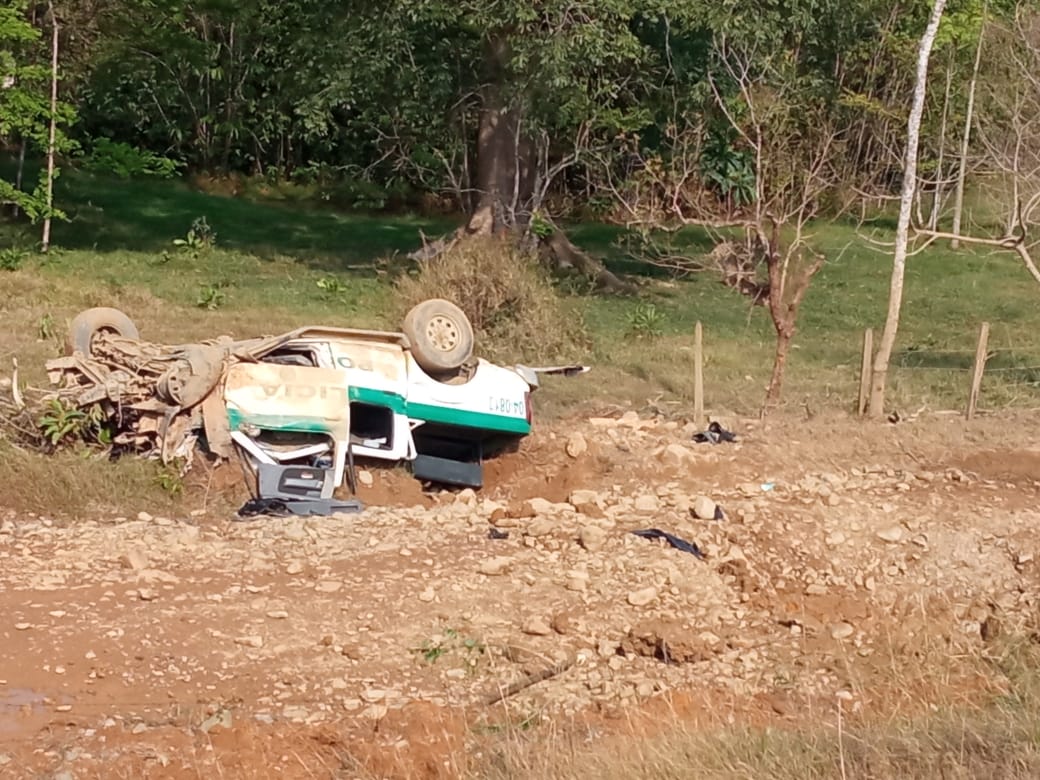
[{"x": 1013, "y": 465}]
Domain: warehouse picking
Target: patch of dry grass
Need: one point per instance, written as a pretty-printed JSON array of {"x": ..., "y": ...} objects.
[
  {"x": 508, "y": 297},
  {"x": 952, "y": 733},
  {"x": 81, "y": 484}
]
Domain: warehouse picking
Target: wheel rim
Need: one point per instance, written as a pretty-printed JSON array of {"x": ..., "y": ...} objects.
[{"x": 442, "y": 333}]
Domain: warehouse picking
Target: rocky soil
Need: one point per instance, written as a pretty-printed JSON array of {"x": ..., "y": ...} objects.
[{"x": 390, "y": 643}]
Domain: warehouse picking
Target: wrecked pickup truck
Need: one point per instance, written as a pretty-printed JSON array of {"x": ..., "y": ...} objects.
[{"x": 314, "y": 398}]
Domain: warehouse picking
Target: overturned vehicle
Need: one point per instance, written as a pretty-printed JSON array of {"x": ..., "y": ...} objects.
[{"x": 299, "y": 407}]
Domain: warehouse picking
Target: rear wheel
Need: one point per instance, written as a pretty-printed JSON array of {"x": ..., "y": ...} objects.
[
  {"x": 89, "y": 324},
  {"x": 440, "y": 335}
]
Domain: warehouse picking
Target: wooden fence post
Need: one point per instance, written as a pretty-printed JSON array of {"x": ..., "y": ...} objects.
[
  {"x": 866, "y": 370},
  {"x": 978, "y": 370},
  {"x": 698, "y": 373}
]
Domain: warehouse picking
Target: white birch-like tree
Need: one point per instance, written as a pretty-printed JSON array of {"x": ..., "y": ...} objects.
[{"x": 906, "y": 203}]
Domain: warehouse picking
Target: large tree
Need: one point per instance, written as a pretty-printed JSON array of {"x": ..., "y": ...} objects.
[
  {"x": 549, "y": 78},
  {"x": 909, "y": 187},
  {"x": 31, "y": 118}
]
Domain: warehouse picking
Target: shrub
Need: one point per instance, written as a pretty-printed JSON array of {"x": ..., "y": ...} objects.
[
  {"x": 12, "y": 258},
  {"x": 126, "y": 161},
  {"x": 507, "y": 295}
]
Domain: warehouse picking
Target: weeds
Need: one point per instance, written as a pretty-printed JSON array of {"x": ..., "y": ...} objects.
[
  {"x": 12, "y": 258},
  {"x": 212, "y": 296},
  {"x": 61, "y": 423},
  {"x": 645, "y": 322},
  {"x": 45, "y": 328},
  {"x": 126, "y": 161},
  {"x": 331, "y": 287},
  {"x": 507, "y": 295},
  {"x": 169, "y": 478},
  {"x": 452, "y": 642},
  {"x": 199, "y": 238},
  {"x": 996, "y": 737}
]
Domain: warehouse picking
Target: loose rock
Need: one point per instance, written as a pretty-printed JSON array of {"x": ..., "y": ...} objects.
[
  {"x": 536, "y": 626},
  {"x": 642, "y": 597},
  {"x": 647, "y": 503},
  {"x": 494, "y": 567},
  {"x": 592, "y": 537},
  {"x": 842, "y": 630},
  {"x": 704, "y": 508},
  {"x": 666, "y": 641},
  {"x": 891, "y": 534},
  {"x": 576, "y": 445}
]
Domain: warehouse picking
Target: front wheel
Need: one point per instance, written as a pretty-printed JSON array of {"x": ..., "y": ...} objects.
[{"x": 440, "y": 335}]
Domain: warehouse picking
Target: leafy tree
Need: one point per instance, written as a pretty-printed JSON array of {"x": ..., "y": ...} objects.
[{"x": 25, "y": 110}]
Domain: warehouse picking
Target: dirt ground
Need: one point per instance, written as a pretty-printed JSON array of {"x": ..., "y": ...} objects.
[{"x": 405, "y": 640}]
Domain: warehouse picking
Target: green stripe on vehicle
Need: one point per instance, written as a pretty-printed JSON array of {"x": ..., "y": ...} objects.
[
  {"x": 385, "y": 398},
  {"x": 449, "y": 416},
  {"x": 281, "y": 422},
  {"x": 444, "y": 415}
]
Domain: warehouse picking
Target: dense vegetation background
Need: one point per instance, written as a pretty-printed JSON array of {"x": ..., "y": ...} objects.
[{"x": 760, "y": 141}]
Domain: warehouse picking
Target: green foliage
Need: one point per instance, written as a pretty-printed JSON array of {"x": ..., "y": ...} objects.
[
  {"x": 199, "y": 238},
  {"x": 451, "y": 642},
  {"x": 357, "y": 194},
  {"x": 169, "y": 477},
  {"x": 541, "y": 227},
  {"x": 374, "y": 106},
  {"x": 125, "y": 161},
  {"x": 12, "y": 258},
  {"x": 63, "y": 423},
  {"x": 25, "y": 111},
  {"x": 45, "y": 328},
  {"x": 331, "y": 286},
  {"x": 645, "y": 322},
  {"x": 728, "y": 169},
  {"x": 212, "y": 296}
]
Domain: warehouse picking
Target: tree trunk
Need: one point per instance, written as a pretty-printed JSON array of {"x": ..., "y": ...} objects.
[
  {"x": 46, "y": 240},
  {"x": 958, "y": 200},
  {"x": 940, "y": 167},
  {"x": 19, "y": 174},
  {"x": 786, "y": 294},
  {"x": 906, "y": 201},
  {"x": 506, "y": 179},
  {"x": 504, "y": 169},
  {"x": 784, "y": 335}
]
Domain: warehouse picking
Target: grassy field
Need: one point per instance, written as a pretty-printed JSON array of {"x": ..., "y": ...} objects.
[{"x": 277, "y": 264}]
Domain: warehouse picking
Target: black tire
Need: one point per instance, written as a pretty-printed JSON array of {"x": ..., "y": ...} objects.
[
  {"x": 440, "y": 335},
  {"x": 87, "y": 324}
]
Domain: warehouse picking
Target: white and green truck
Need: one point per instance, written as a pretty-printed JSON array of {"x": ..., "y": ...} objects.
[{"x": 318, "y": 397}]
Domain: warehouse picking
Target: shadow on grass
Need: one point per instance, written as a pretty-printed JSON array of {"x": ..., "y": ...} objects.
[
  {"x": 147, "y": 215},
  {"x": 621, "y": 254}
]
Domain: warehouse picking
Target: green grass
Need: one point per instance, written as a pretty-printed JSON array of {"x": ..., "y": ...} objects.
[
  {"x": 277, "y": 265},
  {"x": 947, "y": 296}
]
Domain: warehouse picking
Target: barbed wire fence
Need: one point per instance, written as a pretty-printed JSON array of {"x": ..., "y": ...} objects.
[{"x": 991, "y": 377}]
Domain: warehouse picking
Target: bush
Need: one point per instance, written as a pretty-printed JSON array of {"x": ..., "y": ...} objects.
[
  {"x": 126, "y": 161},
  {"x": 507, "y": 295},
  {"x": 12, "y": 258}
]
